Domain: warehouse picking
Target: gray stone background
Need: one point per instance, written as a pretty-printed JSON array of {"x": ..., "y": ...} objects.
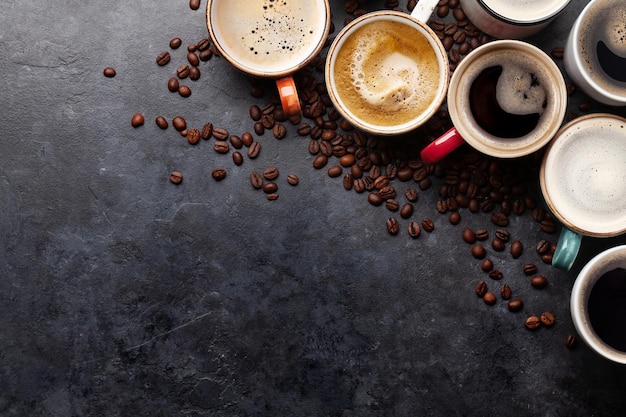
[{"x": 124, "y": 295}]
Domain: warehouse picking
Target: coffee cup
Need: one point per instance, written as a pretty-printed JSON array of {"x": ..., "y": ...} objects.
[
  {"x": 583, "y": 181},
  {"x": 512, "y": 19},
  {"x": 270, "y": 39},
  {"x": 506, "y": 99},
  {"x": 595, "y": 52},
  {"x": 387, "y": 71},
  {"x": 598, "y": 304}
]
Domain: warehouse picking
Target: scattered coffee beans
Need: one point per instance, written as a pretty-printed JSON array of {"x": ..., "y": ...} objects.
[
  {"x": 176, "y": 177},
  {"x": 392, "y": 226},
  {"x": 533, "y": 323},
  {"x": 570, "y": 341},
  {"x": 179, "y": 123},
  {"x": 515, "y": 304},
  {"x": 293, "y": 179},
  {"x": 481, "y": 288},
  {"x": 137, "y": 120},
  {"x": 478, "y": 251},
  {"x": 175, "y": 43},
  {"x": 163, "y": 58},
  {"x": 538, "y": 281},
  {"x": 414, "y": 229},
  {"x": 109, "y": 72},
  {"x": 547, "y": 319},
  {"x": 218, "y": 174},
  {"x": 161, "y": 122},
  {"x": 490, "y": 298}
]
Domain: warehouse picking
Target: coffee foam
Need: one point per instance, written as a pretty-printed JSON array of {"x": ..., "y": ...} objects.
[
  {"x": 525, "y": 10},
  {"x": 269, "y": 35},
  {"x": 393, "y": 74},
  {"x": 518, "y": 91},
  {"x": 585, "y": 175}
]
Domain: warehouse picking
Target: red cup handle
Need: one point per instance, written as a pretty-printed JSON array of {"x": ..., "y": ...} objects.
[
  {"x": 288, "y": 96},
  {"x": 442, "y": 146}
]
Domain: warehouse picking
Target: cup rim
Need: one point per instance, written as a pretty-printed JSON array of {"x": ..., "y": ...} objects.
[
  {"x": 462, "y": 123},
  {"x": 583, "y": 284},
  {"x": 443, "y": 77},
  {"x": 544, "y": 188},
  {"x": 530, "y": 22},
  {"x": 259, "y": 72}
]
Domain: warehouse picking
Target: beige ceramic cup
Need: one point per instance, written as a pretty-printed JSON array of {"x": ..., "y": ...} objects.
[
  {"x": 270, "y": 39},
  {"x": 598, "y": 322},
  {"x": 387, "y": 72}
]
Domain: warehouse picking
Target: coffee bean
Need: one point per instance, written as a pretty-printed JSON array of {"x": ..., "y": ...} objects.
[
  {"x": 218, "y": 174},
  {"x": 163, "y": 58},
  {"x": 481, "y": 289},
  {"x": 161, "y": 122},
  {"x": 179, "y": 123},
  {"x": 347, "y": 160},
  {"x": 392, "y": 226},
  {"x": 543, "y": 246},
  {"x": 172, "y": 85},
  {"x": 235, "y": 141},
  {"x": 193, "y": 136},
  {"x": 203, "y": 44},
  {"x": 279, "y": 131},
  {"x": 335, "y": 171},
  {"x": 392, "y": 205},
  {"x": 176, "y": 177},
  {"x": 272, "y": 196},
  {"x": 454, "y": 218},
  {"x": 478, "y": 251},
  {"x": 220, "y": 133},
  {"x": 500, "y": 219},
  {"x": 557, "y": 52},
  {"x": 498, "y": 244},
  {"x": 207, "y": 131},
  {"x": 255, "y": 113},
  {"x": 486, "y": 265},
  {"x": 259, "y": 129},
  {"x": 221, "y": 146},
  {"x": 256, "y": 180},
  {"x": 428, "y": 225},
  {"x": 490, "y": 298},
  {"x": 183, "y": 133},
  {"x": 515, "y": 304},
  {"x": 502, "y": 234},
  {"x": 538, "y": 281},
  {"x": 254, "y": 150},
  {"x": 406, "y": 211},
  {"x": 546, "y": 258},
  {"x": 414, "y": 229},
  {"x": 109, "y": 72},
  {"x": 570, "y": 341},
  {"x": 184, "y": 91},
  {"x": 410, "y": 5},
  {"x": 193, "y": 59},
  {"x": 194, "y": 73},
  {"x": 442, "y": 11},
  {"x": 194, "y": 4},
  {"x": 481, "y": 234},
  {"x": 175, "y": 43},
  {"x": 137, "y": 120},
  {"x": 247, "y": 139},
  {"x": 237, "y": 158},
  {"x": 505, "y": 292},
  {"x": 270, "y": 187},
  {"x": 529, "y": 269},
  {"x": 348, "y": 181},
  {"x": 320, "y": 161},
  {"x": 375, "y": 199},
  {"x": 182, "y": 71},
  {"x": 533, "y": 323},
  {"x": 271, "y": 173},
  {"x": 468, "y": 235},
  {"x": 516, "y": 249},
  {"x": 293, "y": 179},
  {"x": 547, "y": 226},
  {"x": 496, "y": 274},
  {"x": 411, "y": 194},
  {"x": 547, "y": 319}
]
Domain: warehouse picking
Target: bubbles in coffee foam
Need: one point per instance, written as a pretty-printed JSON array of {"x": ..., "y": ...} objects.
[{"x": 519, "y": 91}]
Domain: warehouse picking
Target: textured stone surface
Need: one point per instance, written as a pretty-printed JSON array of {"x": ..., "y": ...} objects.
[{"x": 124, "y": 295}]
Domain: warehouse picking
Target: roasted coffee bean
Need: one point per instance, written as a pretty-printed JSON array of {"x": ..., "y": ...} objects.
[
  {"x": 375, "y": 199},
  {"x": 220, "y": 133},
  {"x": 359, "y": 185},
  {"x": 176, "y": 43},
  {"x": 271, "y": 173},
  {"x": 486, "y": 265},
  {"x": 235, "y": 141},
  {"x": 254, "y": 150},
  {"x": 207, "y": 131},
  {"x": 533, "y": 323},
  {"x": 546, "y": 258},
  {"x": 410, "y": 5},
  {"x": 347, "y": 160},
  {"x": 454, "y": 218},
  {"x": 414, "y": 229},
  {"x": 505, "y": 292},
  {"x": 194, "y": 73},
  {"x": 193, "y": 136},
  {"x": 490, "y": 298},
  {"x": 259, "y": 129},
  {"x": 529, "y": 269},
  {"x": 176, "y": 177},
  {"x": 557, "y": 52},
  {"x": 548, "y": 226},
  {"x": 498, "y": 244},
  {"x": 272, "y": 196},
  {"x": 320, "y": 161},
  {"x": 163, "y": 58},
  {"x": 570, "y": 341},
  {"x": 428, "y": 225},
  {"x": 182, "y": 71},
  {"x": 161, "y": 122},
  {"x": 388, "y": 192},
  {"x": 203, "y": 44},
  {"x": 183, "y": 133},
  {"x": 543, "y": 246},
  {"x": 468, "y": 235},
  {"x": 547, "y": 319},
  {"x": 221, "y": 146},
  {"x": 442, "y": 206},
  {"x": 500, "y": 219},
  {"x": 194, "y": 4},
  {"x": 411, "y": 194},
  {"x": 303, "y": 129},
  {"x": 481, "y": 234},
  {"x": 392, "y": 226},
  {"x": 109, "y": 72},
  {"x": 193, "y": 59},
  {"x": 516, "y": 249},
  {"x": 192, "y": 48},
  {"x": 496, "y": 274},
  {"x": 218, "y": 174},
  {"x": 255, "y": 113},
  {"x": 348, "y": 181},
  {"x": 179, "y": 123},
  {"x": 237, "y": 158},
  {"x": 478, "y": 251},
  {"x": 538, "y": 281},
  {"x": 515, "y": 304},
  {"x": 184, "y": 91},
  {"x": 392, "y": 205},
  {"x": 172, "y": 85},
  {"x": 256, "y": 180},
  {"x": 481, "y": 288},
  {"x": 502, "y": 234},
  {"x": 293, "y": 179},
  {"x": 270, "y": 187},
  {"x": 442, "y": 11},
  {"x": 137, "y": 120},
  {"x": 247, "y": 138},
  {"x": 335, "y": 171},
  {"x": 406, "y": 211},
  {"x": 279, "y": 130}
]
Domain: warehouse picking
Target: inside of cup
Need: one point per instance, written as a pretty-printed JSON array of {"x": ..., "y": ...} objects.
[
  {"x": 584, "y": 175},
  {"x": 271, "y": 38}
]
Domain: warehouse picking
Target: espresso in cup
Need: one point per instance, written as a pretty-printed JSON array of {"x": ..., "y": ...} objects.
[{"x": 595, "y": 55}]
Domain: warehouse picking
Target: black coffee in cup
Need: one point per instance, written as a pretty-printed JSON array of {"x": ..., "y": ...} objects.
[{"x": 607, "y": 308}]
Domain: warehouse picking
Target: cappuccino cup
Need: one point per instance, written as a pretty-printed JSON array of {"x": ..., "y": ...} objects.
[
  {"x": 598, "y": 304},
  {"x": 387, "y": 71},
  {"x": 583, "y": 181},
  {"x": 270, "y": 39},
  {"x": 506, "y": 99},
  {"x": 512, "y": 19},
  {"x": 595, "y": 52}
]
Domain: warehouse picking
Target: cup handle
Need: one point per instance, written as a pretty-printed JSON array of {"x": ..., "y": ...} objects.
[
  {"x": 566, "y": 249},
  {"x": 424, "y": 9},
  {"x": 288, "y": 96},
  {"x": 441, "y": 146}
]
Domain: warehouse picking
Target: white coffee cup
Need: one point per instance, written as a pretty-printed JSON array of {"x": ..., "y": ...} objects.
[
  {"x": 512, "y": 19},
  {"x": 270, "y": 39},
  {"x": 383, "y": 89},
  {"x": 595, "y": 53},
  {"x": 606, "y": 274},
  {"x": 583, "y": 181}
]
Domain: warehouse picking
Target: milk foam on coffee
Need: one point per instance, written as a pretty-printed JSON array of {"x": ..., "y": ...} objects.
[
  {"x": 585, "y": 175},
  {"x": 525, "y": 10},
  {"x": 518, "y": 91},
  {"x": 269, "y": 35},
  {"x": 387, "y": 75}
]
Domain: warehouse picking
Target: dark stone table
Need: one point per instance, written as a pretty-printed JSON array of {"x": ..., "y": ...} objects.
[{"x": 123, "y": 294}]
